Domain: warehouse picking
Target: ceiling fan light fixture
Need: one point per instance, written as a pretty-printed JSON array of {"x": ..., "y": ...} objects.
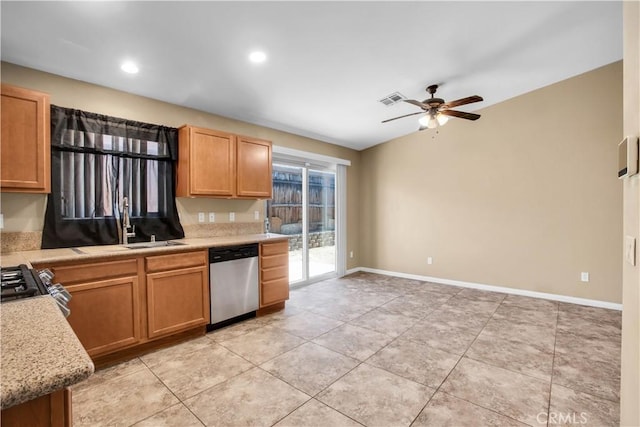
[
  {"x": 435, "y": 107},
  {"x": 433, "y": 122}
]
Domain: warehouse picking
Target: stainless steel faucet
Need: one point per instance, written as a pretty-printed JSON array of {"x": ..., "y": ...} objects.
[{"x": 126, "y": 224}]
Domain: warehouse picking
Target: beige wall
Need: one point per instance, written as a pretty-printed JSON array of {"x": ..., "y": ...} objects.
[
  {"x": 526, "y": 197},
  {"x": 26, "y": 212},
  {"x": 630, "y": 376}
]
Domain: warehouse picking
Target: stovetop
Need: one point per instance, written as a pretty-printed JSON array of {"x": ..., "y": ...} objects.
[{"x": 20, "y": 282}]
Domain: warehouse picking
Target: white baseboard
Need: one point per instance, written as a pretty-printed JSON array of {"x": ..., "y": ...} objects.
[{"x": 491, "y": 288}]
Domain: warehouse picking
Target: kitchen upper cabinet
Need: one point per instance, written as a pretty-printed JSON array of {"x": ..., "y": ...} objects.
[
  {"x": 206, "y": 163},
  {"x": 274, "y": 273},
  {"x": 218, "y": 164},
  {"x": 254, "y": 168},
  {"x": 25, "y": 144},
  {"x": 105, "y": 303},
  {"x": 177, "y": 292}
]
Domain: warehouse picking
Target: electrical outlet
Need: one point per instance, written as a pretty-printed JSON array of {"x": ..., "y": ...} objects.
[
  {"x": 256, "y": 215},
  {"x": 1, "y": 221},
  {"x": 584, "y": 276},
  {"x": 232, "y": 217},
  {"x": 429, "y": 260},
  {"x": 200, "y": 216},
  {"x": 212, "y": 217},
  {"x": 351, "y": 254}
]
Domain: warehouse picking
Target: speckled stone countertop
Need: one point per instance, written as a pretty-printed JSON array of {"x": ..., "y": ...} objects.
[
  {"x": 42, "y": 355},
  {"x": 110, "y": 251}
]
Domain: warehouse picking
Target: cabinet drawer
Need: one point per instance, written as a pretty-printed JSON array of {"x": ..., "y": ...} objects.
[
  {"x": 274, "y": 291},
  {"x": 274, "y": 273},
  {"x": 275, "y": 248},
  {"x": 73, "y": 273},
  {"x": 274, "y": 261},
  {"x": 176, "y": 261}
]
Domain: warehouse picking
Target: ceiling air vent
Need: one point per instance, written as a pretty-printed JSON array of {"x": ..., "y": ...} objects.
[{"x": 394, "y": 98}]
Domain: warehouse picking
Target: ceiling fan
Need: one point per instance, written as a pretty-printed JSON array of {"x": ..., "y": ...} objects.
[{"x": 438, "y": 111}]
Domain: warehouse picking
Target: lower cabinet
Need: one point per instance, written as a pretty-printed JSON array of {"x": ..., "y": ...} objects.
[
  {"x": 177, "y": 299},
  {"x": 51, "y": 410},
  {"x": 120, "y": 304},
  {"x": 105, "y": 303},
  {"x": 105, "y": 315},
  {"x": 274, "y": 273}
]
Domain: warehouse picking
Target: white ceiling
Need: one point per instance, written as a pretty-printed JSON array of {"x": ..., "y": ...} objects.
[{"x": 328, "y": 62}]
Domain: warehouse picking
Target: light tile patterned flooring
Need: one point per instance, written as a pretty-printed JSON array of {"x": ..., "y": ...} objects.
[{"x": 377, "y": 351}]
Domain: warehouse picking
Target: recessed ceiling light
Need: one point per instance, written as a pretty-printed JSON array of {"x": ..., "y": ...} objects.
[
  {"x": 257, "y": 57},
  {"x": 129, "y": 67}
]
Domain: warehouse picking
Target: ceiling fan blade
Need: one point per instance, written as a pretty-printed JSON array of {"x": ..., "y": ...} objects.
[
  {"x": 460, "y": 114},
  {"x": 462, "y": 101},
  {"x": 417, "y": 103},
  {"x": 406, "y": 115}
]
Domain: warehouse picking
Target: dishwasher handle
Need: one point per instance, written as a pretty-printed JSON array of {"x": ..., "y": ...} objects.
[{"x": 229, "y": 253}]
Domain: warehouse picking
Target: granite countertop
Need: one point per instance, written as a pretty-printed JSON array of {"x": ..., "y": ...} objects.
[
  {"x": 110, "y": 251},
  {"x": 42, "y": 355}
]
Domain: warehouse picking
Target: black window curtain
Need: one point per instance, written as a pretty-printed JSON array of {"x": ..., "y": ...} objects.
[{"x": 98, "y": 160}]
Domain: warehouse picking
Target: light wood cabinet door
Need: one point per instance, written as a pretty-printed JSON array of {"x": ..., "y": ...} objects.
[
  {"x": 206, "y": 163},
  {"x": 254, "y": 178},
  {"x": 274, "y": 273},
  {"x": 50, "y": 410},
  {"x": 105, "y": 315},
  {"x": 25, "y": 144},
  {"x": 177, "y": 300}
]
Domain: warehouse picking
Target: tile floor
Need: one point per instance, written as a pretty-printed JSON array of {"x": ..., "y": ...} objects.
[{"x": 377, "y": 351}]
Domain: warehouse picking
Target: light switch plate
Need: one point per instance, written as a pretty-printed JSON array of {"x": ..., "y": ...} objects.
[
  {"x": 200, "y": 216},
  {"x": 232, "y": 216},
  {"x": 256, "y": 215},
  {"x": 630, "y": 249}
]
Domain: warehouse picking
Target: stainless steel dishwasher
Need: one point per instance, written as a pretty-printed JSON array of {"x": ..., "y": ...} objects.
[{"x": 233, "y": 284}]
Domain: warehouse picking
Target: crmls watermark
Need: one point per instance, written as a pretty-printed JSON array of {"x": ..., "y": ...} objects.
[{"x": 563, "y": 418}]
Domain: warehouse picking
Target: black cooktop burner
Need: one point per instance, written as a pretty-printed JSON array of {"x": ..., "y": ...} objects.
[{"x": 19, "y": 282}]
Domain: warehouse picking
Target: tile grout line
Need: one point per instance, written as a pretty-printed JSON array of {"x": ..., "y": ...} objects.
[
  {"x": 457, "y": 363},
  {"x": 181, "y": 402},
  {"x": 503, "y": 367},
  {"x": 573, "y": 387},
  {"x": 553, "y": 361},
  {"x": 315, "y": 396},
  {"x": 311, "y": 397}
]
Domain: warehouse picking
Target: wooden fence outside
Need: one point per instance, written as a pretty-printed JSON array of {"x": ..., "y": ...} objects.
[{"x": 285, "y": 209}]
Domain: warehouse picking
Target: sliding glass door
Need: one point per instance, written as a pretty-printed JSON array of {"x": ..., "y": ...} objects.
[
  {"x": 304, "y": 208},
  {"x": 321, "y": 190}
]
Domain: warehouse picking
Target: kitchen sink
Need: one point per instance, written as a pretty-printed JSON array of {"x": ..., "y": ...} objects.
[{"x": 146, "y": 245}]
